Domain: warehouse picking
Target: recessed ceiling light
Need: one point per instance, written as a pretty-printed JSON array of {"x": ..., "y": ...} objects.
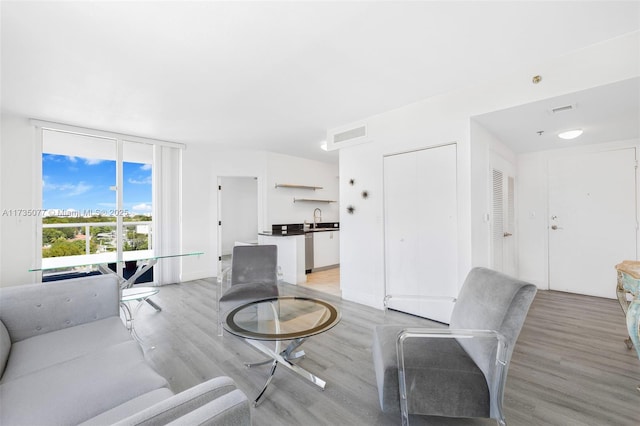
[
  {"x": 570, "y": 134},
  {"x": 323, "y": 145}
]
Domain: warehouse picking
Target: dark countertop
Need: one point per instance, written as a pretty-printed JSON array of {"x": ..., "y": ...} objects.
[
  {"x": 290, "y": 233},
  {"x": 301, "y": 228},
  {"x": 286, "y": 234}
]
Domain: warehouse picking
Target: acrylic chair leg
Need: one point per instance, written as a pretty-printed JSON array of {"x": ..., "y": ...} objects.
[
  {"x": 405, "y": 419},
  {"x": 218, "y": 296},
  {"x": 402, "y": 388},
  {"x": 219, "y": 320},
  {"x": 500, "y": 415}
]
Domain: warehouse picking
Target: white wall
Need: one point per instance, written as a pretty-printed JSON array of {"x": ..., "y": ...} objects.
[
  {"x": 202, "y": 165},
  {"x": 362, "y": 234},
  {"x": 437, "y": 120},
  {"x": 17, "y": 178},
  {"x": 444, "y": 119},
  {"x": 239, "y": 211},
  {"x": 532, "y": 207},
  {"x": 201, "y": 168},
  {"x": 285, "y": 169}
]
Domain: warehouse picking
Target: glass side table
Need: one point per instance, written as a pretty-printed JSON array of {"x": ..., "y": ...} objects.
[
  {"x": 134, "y": 294},
  {"x": 145, "y": 260}
]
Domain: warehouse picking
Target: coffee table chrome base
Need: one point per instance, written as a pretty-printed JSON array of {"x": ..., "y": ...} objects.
[
  {"x": 293, "y": 357},
  {"x": 284, "y": 358}
]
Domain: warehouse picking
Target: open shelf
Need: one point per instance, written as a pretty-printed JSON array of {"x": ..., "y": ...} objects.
[
  {"x": 288, "y": 185},
  {"x": 312, "y": 200}
]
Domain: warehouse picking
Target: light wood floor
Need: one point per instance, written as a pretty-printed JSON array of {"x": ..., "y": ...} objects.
[
  {"x": 327, "y": 281},
  {"x": 570, "y": 365}
]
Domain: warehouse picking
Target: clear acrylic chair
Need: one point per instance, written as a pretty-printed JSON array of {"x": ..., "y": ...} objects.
[
  {"x": 253, "y": 275},
  {"x": 459, "y": 371}
]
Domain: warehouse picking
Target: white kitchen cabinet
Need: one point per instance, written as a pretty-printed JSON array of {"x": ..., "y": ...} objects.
[
  {"x": 326, "y": 248},
  {"x": 290, "y": 256}
]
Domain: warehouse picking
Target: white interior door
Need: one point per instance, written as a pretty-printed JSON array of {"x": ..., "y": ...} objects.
[
  {"x": 421, "y": 256},
  {"x": 592, "y": 223},
  {"x": 503, "y": 247}
]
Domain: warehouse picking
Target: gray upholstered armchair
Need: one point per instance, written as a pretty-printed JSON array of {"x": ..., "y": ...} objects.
[
  {"x": 253, "y": 275},
  {"x": 459, "y": 371}
]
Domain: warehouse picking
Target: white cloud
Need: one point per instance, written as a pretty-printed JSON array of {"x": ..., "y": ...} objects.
[
  {"x": 142, "y": 207},
  {"x": 145, "y": 167},
  {"x": 92, "y": 161},
  {"x": 87, "y": 161},
  {"x": 78, "y": 189},
  {"x": 143, "y": 181},
  {"x": 69, "y": 189}
]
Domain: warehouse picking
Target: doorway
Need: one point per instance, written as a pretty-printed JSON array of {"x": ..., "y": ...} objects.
[
  {"x": 592, "y": 220},
  {"x": 237, "y": 215},
  {"x": 503, "y": 187}
]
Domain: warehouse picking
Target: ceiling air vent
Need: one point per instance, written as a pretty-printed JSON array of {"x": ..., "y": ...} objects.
[
  {"x": 347, "y": 135},
  {"x": 563, "y": 108}
]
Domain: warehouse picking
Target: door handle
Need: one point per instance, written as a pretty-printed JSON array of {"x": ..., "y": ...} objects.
[
  {"x": 555, "y": 227},
  {"x": 507, "y": 234}
]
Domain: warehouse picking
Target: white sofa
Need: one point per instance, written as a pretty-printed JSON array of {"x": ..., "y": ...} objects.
[{"x": 66, "y": 358}]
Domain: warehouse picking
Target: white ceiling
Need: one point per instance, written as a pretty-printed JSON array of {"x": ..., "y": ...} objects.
[
  {"x": 607, "y": 113},
  {"x": 272, "y": 75}
]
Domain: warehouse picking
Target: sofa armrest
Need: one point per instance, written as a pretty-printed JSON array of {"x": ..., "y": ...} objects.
[
  {"x": 33, "y": 309},
  {"x": 185, "y": 402},
  {"x": 231, "y": 409}
]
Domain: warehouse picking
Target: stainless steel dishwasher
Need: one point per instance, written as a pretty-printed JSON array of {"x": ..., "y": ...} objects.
[{"x": 308, "y": 252}]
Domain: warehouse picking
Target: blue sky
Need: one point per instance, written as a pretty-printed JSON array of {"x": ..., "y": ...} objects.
[{"x": 82, "y": 184}]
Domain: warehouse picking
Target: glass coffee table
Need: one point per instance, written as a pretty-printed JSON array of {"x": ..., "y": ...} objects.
[{"x": 279, "y": 319}]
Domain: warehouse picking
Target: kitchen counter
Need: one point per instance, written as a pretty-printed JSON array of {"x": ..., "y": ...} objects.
[
  {"x": 290, "y": 239},
  {"x": 289, "y": 233},
  {"x": 302, "y": 228},
  {"x": 290, "y": 254},
  {"x": 280, "y": 234}
]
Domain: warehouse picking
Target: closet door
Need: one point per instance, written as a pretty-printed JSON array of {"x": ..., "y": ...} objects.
[{"x": 421, "y": 254}]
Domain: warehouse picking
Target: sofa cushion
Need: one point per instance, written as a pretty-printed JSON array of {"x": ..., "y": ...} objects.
[
  {"x": 34, "y": 309},
  {"x": 129, "y": 408},
  {"x": 45, "y": 350},
  {"x": 79, "y": 389},
  {"x": 5, "y": 347}
]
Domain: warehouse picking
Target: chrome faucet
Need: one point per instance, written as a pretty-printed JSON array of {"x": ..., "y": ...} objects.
[{"x": 318, "y": 216}]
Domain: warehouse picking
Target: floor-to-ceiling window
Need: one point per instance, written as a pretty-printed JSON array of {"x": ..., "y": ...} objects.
[
  {"x": 98, "y": 201},
  {"x": 78, "y": 195}
]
